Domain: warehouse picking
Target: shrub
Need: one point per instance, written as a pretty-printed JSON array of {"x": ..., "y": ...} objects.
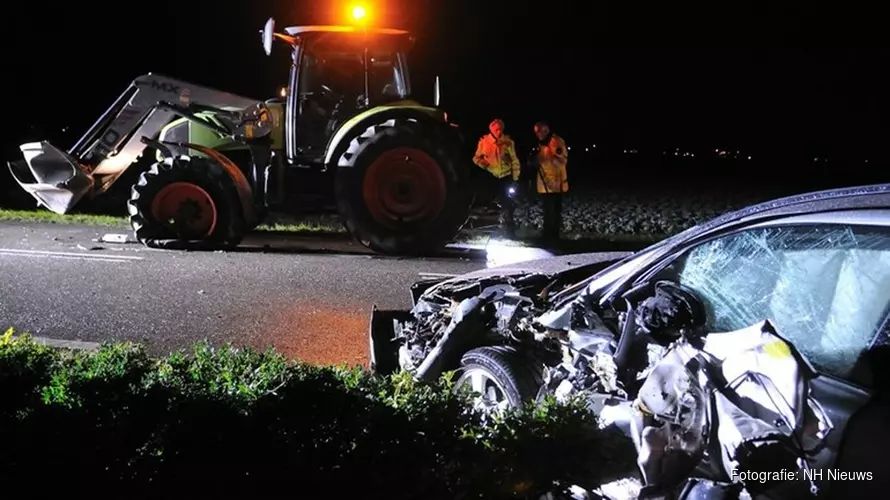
[{"x": 228, "y": 422}]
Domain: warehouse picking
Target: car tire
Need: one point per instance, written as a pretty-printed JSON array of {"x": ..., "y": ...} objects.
[{"x": 516, "y": 376}]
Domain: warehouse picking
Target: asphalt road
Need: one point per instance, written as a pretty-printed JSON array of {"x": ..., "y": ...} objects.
[{"x": 58, "y": 282}]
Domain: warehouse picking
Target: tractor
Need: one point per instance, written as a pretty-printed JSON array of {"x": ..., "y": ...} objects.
[{"x": 223, "y": 162}]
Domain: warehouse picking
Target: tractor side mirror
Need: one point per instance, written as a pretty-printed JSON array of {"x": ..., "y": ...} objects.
[{"x": 268, "y": 33}]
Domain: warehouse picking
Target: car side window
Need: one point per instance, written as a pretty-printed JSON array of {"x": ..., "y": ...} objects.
[{"x": 826, "y": 288}]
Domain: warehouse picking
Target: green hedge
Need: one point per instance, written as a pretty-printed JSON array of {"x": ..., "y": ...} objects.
[{"x": 227, "y": 423}]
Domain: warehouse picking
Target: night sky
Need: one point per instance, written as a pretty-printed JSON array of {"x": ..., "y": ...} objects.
[{"x": 632, "y": 78}]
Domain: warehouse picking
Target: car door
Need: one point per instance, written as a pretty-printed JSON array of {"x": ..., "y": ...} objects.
[{"x": 824, "y": 283}]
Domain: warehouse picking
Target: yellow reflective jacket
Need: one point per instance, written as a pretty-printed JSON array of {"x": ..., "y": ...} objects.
[
  {"x": 500, "y": 155},
  {"x": 552, "y": 160}
]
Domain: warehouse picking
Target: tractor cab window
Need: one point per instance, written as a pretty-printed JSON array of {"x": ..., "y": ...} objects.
[
  {"x": 331, "y": 89},
  {"x": 386, "y": 78},
  {"x": 331, "y": 79}
]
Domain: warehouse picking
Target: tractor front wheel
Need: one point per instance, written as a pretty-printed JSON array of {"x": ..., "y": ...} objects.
[
  {"x": 186, "y": 203},
  {"x": 404, "y": 193}
]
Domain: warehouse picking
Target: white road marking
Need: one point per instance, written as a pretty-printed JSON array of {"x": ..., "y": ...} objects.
[
  {"x": 103, "y": 257},
  {"x": 66, "y": 344},
  {"x": 65, "y": 257}
]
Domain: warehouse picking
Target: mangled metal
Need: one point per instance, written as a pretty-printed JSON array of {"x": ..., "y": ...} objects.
[
  {"x": 449, "y": 320},
  {"x": 746, "y": 388},
  {"x": 690, "y": 400}
]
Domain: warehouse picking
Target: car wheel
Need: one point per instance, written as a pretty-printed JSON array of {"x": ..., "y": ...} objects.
[{"x": 501, "y": 377}]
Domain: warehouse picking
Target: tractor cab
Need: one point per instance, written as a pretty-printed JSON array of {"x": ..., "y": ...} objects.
[{"x": 337, "y": 72}]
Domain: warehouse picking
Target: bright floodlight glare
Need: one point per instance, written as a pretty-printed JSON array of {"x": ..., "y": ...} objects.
[{"x": 358, "y": 12}]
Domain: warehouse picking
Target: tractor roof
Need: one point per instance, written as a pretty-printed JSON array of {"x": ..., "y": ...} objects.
[
  {"x": 336, "y": 38},
  {"x": 303, "y": 30}
]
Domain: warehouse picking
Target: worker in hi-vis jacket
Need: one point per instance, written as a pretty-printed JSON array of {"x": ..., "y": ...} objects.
[{"x": 496, "y": 153}]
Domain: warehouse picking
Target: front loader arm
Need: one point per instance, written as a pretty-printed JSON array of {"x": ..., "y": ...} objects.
[
  {"x": 148, "y": 104},
  {"x": 58, "y": 179}
]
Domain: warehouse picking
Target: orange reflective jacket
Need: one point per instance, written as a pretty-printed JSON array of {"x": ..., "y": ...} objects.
[
  {"x": 552, "y": 160},
  {"x": 498, "y": 156}
]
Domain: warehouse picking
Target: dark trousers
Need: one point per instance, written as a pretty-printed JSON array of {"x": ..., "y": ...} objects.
[
  {"x": 552, "y": 205},
  {"x": 497, "y": 189}
]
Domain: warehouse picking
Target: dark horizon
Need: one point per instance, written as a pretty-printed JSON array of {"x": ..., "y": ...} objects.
[{"x": 569, "y": 63}]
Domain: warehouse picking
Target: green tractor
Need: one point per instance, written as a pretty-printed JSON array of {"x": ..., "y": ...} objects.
[{"x": 395, "y": 167}]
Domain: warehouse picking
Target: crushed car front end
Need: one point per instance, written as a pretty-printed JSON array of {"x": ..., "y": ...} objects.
[
  {"x": 698, "y": 401},
  {"x": 448, "y": 314}
]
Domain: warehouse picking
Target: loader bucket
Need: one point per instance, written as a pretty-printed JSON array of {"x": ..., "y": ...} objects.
[{"x": 51, "y": 176}]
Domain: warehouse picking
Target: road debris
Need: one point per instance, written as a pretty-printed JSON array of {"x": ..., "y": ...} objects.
[
  {"x": 116, "y": 238},
  {"x": 92, "y": 248}
]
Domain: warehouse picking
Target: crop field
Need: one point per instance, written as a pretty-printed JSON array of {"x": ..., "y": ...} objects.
[{"x": 609, "y": 213}]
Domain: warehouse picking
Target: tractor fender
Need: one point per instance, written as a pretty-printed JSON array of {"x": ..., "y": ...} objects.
[
  {"x": 245, "y": 193},
  {"x": 346, "y": 141}
]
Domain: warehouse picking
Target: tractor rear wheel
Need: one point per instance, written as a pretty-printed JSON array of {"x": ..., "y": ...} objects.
[
  {"x": 405, "y": 192},
  {"x": 186, "y": 203}
]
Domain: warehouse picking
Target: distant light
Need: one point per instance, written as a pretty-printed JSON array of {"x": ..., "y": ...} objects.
[
  {"x": 283, "y": 92},
  {"x": 594, "y": 145},
  {"x": 359, "y": 13},
  {"x": 586, "y": 149},
  {"x": 749, "y": 157},
  {"x": 866, "y": 161},
  {"x": 569, "y": 148}
]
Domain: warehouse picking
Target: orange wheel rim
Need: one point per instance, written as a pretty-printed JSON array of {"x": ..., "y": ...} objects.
[
  {"x": 186, "y": 209},
  {"x": 404, "y": 186}
]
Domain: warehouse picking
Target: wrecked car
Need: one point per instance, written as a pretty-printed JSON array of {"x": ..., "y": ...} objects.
[{"x": 747, "y": 343}]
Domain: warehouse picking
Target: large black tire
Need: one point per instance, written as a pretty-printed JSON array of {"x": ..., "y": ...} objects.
[
  {"x": 215, "y": 194},
  {"x": 520, "y": 377},
  {"x": 406, "y": 191}
]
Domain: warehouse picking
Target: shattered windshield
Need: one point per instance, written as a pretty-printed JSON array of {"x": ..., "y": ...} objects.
[{"x": 826, "y": 288}]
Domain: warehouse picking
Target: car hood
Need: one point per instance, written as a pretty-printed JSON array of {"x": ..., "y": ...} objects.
[{"x": 549, "y": 265}]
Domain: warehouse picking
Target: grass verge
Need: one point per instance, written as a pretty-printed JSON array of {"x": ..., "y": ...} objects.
[
  {"x": 314, "y": 226},
  {"x": 45, "y": 216}
]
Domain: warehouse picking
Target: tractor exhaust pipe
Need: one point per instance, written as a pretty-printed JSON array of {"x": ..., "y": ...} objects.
[{"x": 51, "y": 176}]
